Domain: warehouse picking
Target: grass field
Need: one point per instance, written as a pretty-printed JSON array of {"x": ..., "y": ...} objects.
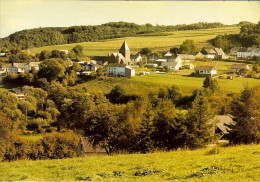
[
  {"x": 154, "y": 41},
  {"x": 240, "y": 163},
  {"x": 187, "y": 83}
]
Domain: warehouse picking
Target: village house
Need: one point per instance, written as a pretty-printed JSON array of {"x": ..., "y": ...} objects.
[
  {"x": 244, "y": 52},
  {"x": 187, "y": 57},
  {"x": 100, "y": 60},
  {"x": 4, "y": 68},
  {"x": 85, "y": 148},
  {"x": 135, "y": 58},
  {"x": 219, "y": 53},
  {"x": 205, "y": 70},
  {"x": 236, "y": 68},
  {"x": 197, "y": 55},
  {"x": 172, "y": 65},
  {"x": 152, "y": 56},
  {"x": 208, "y": 53},
  {"x": 120, "y": 70},
  {"x": 17, "y": 68},
  {"x": 28, "y": 67}
]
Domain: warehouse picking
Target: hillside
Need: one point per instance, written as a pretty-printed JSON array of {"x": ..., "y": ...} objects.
[
  {"x": 155, "y": 41},
  {"x": 240, "y": 163},
  {"x": 39, "y": 37}
]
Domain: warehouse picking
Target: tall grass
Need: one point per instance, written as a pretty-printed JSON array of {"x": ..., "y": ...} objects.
[{"x": 240, "y": 163}]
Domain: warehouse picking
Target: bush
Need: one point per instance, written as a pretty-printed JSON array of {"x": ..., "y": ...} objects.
[{"x": 214, "y": 150}]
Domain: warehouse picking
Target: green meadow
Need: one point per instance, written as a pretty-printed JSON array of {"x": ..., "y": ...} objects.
[
  {"x": 155, "y": 41},
  {"x": 183, "y": 78},
  {"x": 239, "y": 163}
]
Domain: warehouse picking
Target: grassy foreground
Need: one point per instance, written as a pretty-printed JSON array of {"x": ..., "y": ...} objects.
[
  {"x": 240, "y": 163},
  {"x": 160, "y": 42}
]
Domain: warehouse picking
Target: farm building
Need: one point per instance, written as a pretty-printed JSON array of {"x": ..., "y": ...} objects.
[
  {"x": 205, "y": 70},
  {"x": 235, "y": 68},
  {"x": 121, "y": 70},
  {"x": 85, "y": 148}
]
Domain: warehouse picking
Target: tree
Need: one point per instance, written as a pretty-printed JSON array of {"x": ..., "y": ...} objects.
[
  {"x": 246, "y": 110},
  {"x": 5, "y": 130},
  {"x": 51, "y": 69},
  {"x": 188, "y": 46},
  {"x": 210, "y": 83},
  {"x": 78, "y": 50},
  {"x": 199, "y": 130},
  {"x": 145, "y": 51},
  {"x": 105, "y": 127},
  {"x": 174, "y": 94}
]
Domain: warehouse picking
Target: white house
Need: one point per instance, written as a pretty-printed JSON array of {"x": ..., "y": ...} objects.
[
  {"x": 205, "y": 70},
  {"x": 219, "y": 53},
  {"x": 121, "y": 70},
  {"x": 172, "y": 65},
  {"x": 135, "y": 58},
  {"x": 209, "y": 53},
  {"x": 28, "y": 67},
  {"x": 244, "y": 52},
  {"x": 2, "y": 54},
  {"x": 17, "y": 68}
]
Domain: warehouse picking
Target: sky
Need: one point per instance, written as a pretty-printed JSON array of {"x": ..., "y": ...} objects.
[{"x": 16, "y": 15}]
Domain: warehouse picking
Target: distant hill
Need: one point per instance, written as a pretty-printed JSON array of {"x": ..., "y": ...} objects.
[{"x": 39, "y": 37}]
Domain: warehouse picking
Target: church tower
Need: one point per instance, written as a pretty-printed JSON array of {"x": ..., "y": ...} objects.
[{"x": 124, "y": 50}]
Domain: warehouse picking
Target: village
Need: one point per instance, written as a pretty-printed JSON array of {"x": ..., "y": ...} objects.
[{"x": 123, "y": 63}]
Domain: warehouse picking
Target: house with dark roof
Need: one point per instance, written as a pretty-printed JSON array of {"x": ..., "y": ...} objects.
[
  {"x": 101, "y": 60},
  {"x": 85, "y": 148},
  {"x": 205, "y": 70},
  {"x": 152, "y": 56},
  {"x": 236, "y": 68}
]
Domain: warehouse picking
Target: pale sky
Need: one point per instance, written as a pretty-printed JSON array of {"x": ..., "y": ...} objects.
[{"x": 16, "y": 15}]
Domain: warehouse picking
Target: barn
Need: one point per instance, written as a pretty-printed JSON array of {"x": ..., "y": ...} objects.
[{"x": 85, "y": 148}]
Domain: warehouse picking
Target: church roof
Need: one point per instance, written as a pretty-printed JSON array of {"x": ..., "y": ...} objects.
[{"x": 124, "y": 46}]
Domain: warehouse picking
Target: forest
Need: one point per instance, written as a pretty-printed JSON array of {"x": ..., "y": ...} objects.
[
  {"x": 40, "y": 37},
  {"x": 249, "y": 36}
]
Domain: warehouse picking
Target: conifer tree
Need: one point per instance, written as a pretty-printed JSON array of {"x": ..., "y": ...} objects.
[{"x": 199, "y": 129}]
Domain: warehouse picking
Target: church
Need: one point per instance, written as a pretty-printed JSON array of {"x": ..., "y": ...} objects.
[{"x": 122, "y": 57}]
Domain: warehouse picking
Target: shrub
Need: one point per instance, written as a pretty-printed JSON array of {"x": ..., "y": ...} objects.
[{"x": 214, "y": 150}]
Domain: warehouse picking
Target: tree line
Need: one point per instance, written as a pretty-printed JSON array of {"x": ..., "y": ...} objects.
[
  {"x": 249, "y": 36},
  {"x": 118, "y": 122},
  {"x": 39, "y": 37}
]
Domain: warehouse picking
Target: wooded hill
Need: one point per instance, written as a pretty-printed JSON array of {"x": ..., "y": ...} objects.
[{"x": 39, "y": 37}]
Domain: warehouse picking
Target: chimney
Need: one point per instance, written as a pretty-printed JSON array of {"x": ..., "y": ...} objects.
[{"x": 118, "y": 59}]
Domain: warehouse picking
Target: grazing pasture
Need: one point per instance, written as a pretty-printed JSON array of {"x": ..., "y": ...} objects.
[
  {"x": 239, "y": 163},
  {"x": 155, "y": 41}
]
